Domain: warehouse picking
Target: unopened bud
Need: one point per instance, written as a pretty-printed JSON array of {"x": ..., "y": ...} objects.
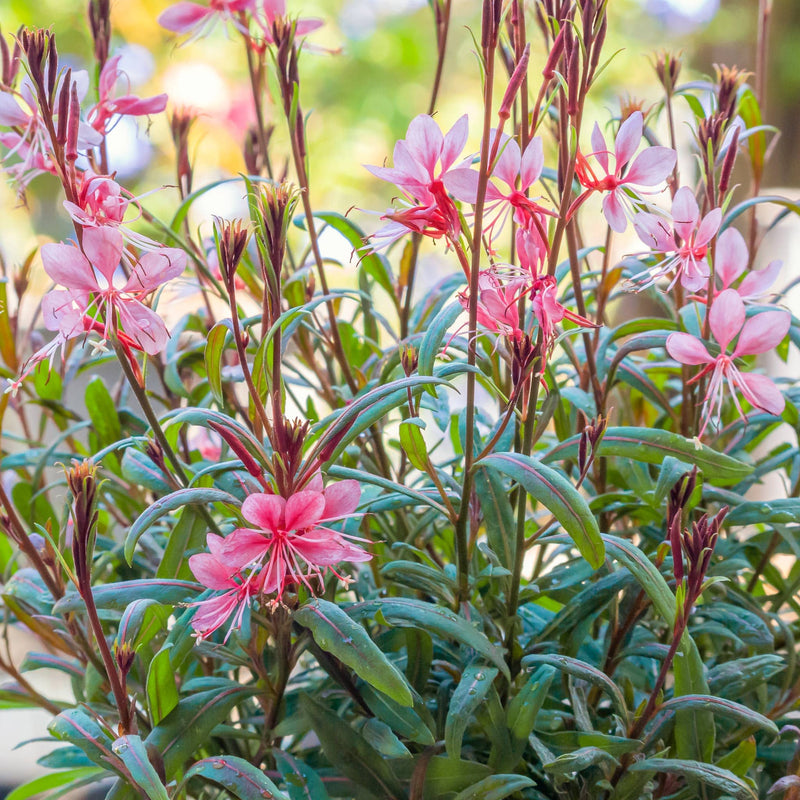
[
  {"x": 553, "y": 57},
  {"x": 63, "y": 108},
  {"x": 517, "y": 78},
  {"x": 573, "y": 81},
  {"x": 668, "y": 67},
  {"x": 728, "y": 162},
  {"x": 73, "y": 126},
  {"x": 409, "y": 358}
]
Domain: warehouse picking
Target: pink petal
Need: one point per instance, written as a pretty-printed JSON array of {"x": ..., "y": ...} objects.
[
  {"x": 63, "y": 310},
  {"x": 182, "y": 17},
  {"x": 154, "y": 268},
  {"x": 103, "y": 247},
  {"x": 708, "y": 227},
  {"x": 730, "y": 257},
  {"x": 758, "y": 282},
  {"x": 532, "y": 163},
  {"x": 454, "y": 141},
  {"x": 599, "y": 148},
  {"x": 628, "y": 138},
  {"x": 108, "y": 77},
  {"x": 10, "y": 112},
  {"x": 387, "y": 174},
  {"x": 212, "y": 614},
  {"x": 462, "y": 183},
  {"x": 304, "y": 509},
  {"x": 140, "y": 106},
  {"x": 265, "y": 510},
  {"x": 614, "y": 212},
  {"x": 341, "y": 499},
  {"x": 654, "y": 232},
  {"x": 685, "y": 213},
  {"x": 762, "y": 332},
  {"x": 319, "y": 548},
  {"x": 307, "y": 25},
  {"x": 694, "y": 274},
  {"x": 243, "y": 546},
  {"x": 688, "y": 349},
  {"x": 214, "y": 542},
  {"x": 424, "y": 139},
  {"x": 67, "y": 266},
  {"x": 761, "y": 392},
  {"x": 143, "y": 325},
  {"x": 210, "y": 572},
  {"x": 508, "y": 160},
  {"x": 726, "y": 317},
  {"x": 651, "y": 166}
]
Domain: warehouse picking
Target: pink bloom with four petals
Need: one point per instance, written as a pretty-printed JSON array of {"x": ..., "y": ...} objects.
[
  {"x": 760, "y": 333},
  {"x": 648, "y": 169},
  {"x": 120, "y": 306},
  {"x": 497, "y": 304},
  {"x": 684, "y": 245},
  {"x": 197, "y": 19}
]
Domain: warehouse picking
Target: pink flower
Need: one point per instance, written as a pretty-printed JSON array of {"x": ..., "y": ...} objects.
[
  {"x": 198, "y": 20},
  {"x": 497, "y": 303},
  {"x": 214, "y": 573},
  {"x": 120, "y": 306},
  {"x": 684, "y": 245},
  {"x": 760, "y": 333},
  {"x": 731, "y": 260},
  {"x": 549, "y": 311},
  {"x": 291, "y": 542},
  {"x": 511, "y": 167},
  {"x": 421, "y": 164},
  {"x": 268, "y": 12},
  {"x": 622, "y": 187},
  {"x": 110, "y": 106},
  {"x": 100, "y": 202}
]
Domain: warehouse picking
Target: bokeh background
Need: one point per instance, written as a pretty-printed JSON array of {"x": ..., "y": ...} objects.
[{"x": 372, "y": 75}]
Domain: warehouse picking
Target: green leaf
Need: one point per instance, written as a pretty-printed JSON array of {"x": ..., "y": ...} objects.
[
  {"x": 215, "y": 347},
  {"x": 188, "y": 534},
  {"x": 580, "y": 759},
  {"x": 407, "y": 612},
  {"x": 413, "y": 443},
  {"x": 404, "y": 721},
  {"x": 522, "y": 711},
  {"x": 162, "y": 693},
  {"x": 78, "y": 727},
  {"x": 117, "y": 596},
  {"x": 651, "y": 446},
  {"x": 558, "y": 496},
  {"x": 188, "y": 726},
  {"x": 498, "y": 515},
  {"x": 140, "y": 470},
  {"x": 475, "y": 682},
  {"x": 336, "y": 633},
  {"x": 102, "y": 411},
  {"x": 709, "y": 774},
  {"x": 52, "y": 781},
  {"x": 237, "y": 776},
  {"x": 301, "y": 781},
  {"x": 350, "y": 753},
  {"x": 495, "y": 787},
  {"x": 133, "y": 754},
  {"x": 717, "y": 705},
  {"x": 179, "y": 499},
  {"x": 584, "y": 671},
  {"x": 434, "y": 335}
]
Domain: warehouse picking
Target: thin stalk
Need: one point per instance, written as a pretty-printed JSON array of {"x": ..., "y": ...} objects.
[{"x": 461, "y": 534}]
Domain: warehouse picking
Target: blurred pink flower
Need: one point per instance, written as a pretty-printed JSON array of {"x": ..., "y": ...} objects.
[
  {"x": 214, "y": 573},
  {"x": 121, "y": 307},
  {"x": 267, "y": 12},
  {"x": 684, "y": 245},
  {"x": 622, "y": 188},
  {"x": 110, "y": 106},
  {"x": 291, "y": 542},
  {"x": 197, "y": 19},
  {"x": 760, "y": 333}
]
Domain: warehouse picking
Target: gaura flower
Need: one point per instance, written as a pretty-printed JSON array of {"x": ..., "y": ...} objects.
[
  {"x": 214, "y": 573},
  {"x": 549, "y": 311},
  {"x": 110, "y": 106},
  {"x": 269, "y": 12},
  {"x": 100, "y": 202},
  {"x": 511, "y": 167},
  {"x": 88, "y": 275},
  {"x": 622, "y": 187},
  {"x": 197, "y": 19},
  {"x": 684, "y": 244},
  {"x": 497, "y": 303},
  {"x": 760, "y": 333},
  {"x": 290, "y": 541},
  {"x": 422, "y": 162}
]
